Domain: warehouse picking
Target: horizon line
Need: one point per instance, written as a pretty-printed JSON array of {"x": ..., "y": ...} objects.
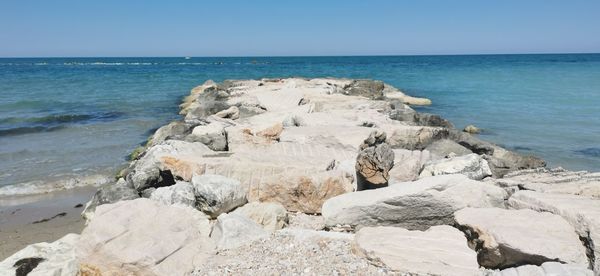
[{"x": 298, "y": 56}]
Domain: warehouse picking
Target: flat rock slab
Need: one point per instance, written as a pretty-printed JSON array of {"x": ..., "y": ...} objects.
[
  {"x": 441, "y": 250},
  {"x": 40, "y": 259},
  {"x": 557, "y": 181},
  {"x": 471, "y": 165},
  {"x": 413, "y": 205},
  {"x": 506, "y": 238},
  {"x": 546, "y": 269},
  {"x": 143, "y": 237},
  {"x": 583, "y": 213}
]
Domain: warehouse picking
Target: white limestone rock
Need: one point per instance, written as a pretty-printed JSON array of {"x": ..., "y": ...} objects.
[
  {"x": 506, "y": 238},
  {"x": 182, "y": 193},
  {"x": 271, "y": 215},
  {"x": 582, "y": 212},
  {"x": 413, "y": 205},
  {"x": 234, "y": 230},
  {"x": 216, "y": 194},
  {"x": 58, "y": 258},
  {"x": 143, "y": 237},
  {"x": 471, "y": 165},
  {"x": 440, "y": 250},
  {"x": 546, "y": 269}
]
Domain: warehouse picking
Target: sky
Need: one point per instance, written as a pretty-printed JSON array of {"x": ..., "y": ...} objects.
[{"x": 79, "y": 28}]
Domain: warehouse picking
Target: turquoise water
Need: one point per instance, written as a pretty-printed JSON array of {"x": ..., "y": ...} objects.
[{"x": 68, "y": 116}]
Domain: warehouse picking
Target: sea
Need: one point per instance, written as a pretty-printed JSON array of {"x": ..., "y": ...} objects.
[{"x": 62, "y": 118}]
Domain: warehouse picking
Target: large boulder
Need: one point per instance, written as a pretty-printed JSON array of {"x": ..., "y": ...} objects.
[
  {"x": 40, "y": 259},
  {"x": 471, "y": 165},
  {"x": 176, "y": 130},
  {"x": 447, "y": 147},
  {"x": 212, "y": 135},
  {"x": 413, "y": 205},
  {"x": 234, "y": 230},
  {"x": 408, "y": 164},
  {"x": 374, "y": 162},
  {"x": 216, "y": 194},
  {"x": 501, "y": 161},
  {"x": 415, "y": 137},
  {"x": 582, "y": 212},
  {"x": 110, "y": 193},
  {"x": 371, "y": 89},
  {"x": 557, "y": 180},
  {"x": 182, "y": 193},
  {"x": 440, "y": 250},
  {"x": 143, "y": 237},
  {"x": 300, "y": 191},
  {"x": 271, "y": 215},
  {"x": 506, "y": 238},
  {"x": 162, "y": 164},
  {"x": 546, "y": 269}
]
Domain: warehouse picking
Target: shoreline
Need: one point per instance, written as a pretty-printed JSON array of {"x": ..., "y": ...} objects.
[
  {"x": 80, "y": 189},
  {"x": 250, "y": 156},
  {"x": 17, "y": 221}
]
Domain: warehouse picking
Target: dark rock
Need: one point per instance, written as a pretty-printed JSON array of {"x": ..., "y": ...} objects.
[
  {"x": 367, "y": 88},
  {"x": 24, "y": 266},
  {"x": 374, "y": 162},
  {"x": 110, "y": 193}
]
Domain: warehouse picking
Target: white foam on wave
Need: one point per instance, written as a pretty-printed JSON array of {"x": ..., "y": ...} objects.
[{"x": 43, "y": 187}]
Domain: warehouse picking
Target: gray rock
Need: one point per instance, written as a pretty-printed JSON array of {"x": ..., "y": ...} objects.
[
  {"x": 506, "y": 238},
  {"x": 161, "y": 164},
  {"x": 471, "y": 129},
  {"x": 367, "y": 88},
  {"x": 110, "y": 193},
  {"x": 416, "y": 137},
  {"x": 446, "y": 147},
  {"x": 408, "y": 164},
  {"x": 413, "y": 205},
  {"x": 175, "y": 130},
  {"x": 471, "y": 165},
  {"x": 212, "y": 135},
  {"x": 232, "y": 113},
  {"x": 546, "y": 269},
  {"x": 441, "y": 250},
  {"x": 211, "y": 101},
  {"x": 271, "y": 215},
  {"x": 216, "y": 194},
  {"x": 234, "y": 230},
  {"x": 501, "y": 161},
  {"x": 374, "y": 162},
  {"x": 582, "y": 212},
  {"x": 557, "y": 180},
  {"x": 402, "y": 112},
  {"x": 56, "y": 258},
  {"x": 182, "y": 193}
]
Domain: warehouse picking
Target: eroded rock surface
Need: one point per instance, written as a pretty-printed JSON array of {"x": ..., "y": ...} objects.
[
  {"x": 143, "y": 237},
  {"x": 506, "y": 238},
  {"x": 413, "y": 205},
  {"x": 440, "y": 250},
  {"x": 582, "y": 212},
  {"x": 470, "y": 165}
]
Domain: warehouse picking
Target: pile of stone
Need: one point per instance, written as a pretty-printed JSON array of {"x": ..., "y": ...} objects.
[{"x": 326, "y": 176}]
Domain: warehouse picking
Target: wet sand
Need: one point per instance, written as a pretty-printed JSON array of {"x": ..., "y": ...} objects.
[{"x": 42, "y": 218}]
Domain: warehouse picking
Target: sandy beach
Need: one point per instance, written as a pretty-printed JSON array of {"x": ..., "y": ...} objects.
[{"x": 41, "y": 218}]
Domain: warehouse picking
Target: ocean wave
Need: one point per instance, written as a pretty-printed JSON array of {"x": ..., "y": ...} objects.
[
  {"x": 43, "y": 187},
  {"x": 25, "y": 125},
  {"x": 26, "y": 130}
]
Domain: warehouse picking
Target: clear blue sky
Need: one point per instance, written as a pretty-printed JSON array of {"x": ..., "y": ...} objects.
[{"x": 43, "y": 28}]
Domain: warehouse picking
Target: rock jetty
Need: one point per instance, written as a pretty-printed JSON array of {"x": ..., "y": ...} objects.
[{"x": 326, "y": 177}]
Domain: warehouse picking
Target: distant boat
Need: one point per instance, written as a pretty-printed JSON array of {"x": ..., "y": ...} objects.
[{"x": 187, "y": 57}]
